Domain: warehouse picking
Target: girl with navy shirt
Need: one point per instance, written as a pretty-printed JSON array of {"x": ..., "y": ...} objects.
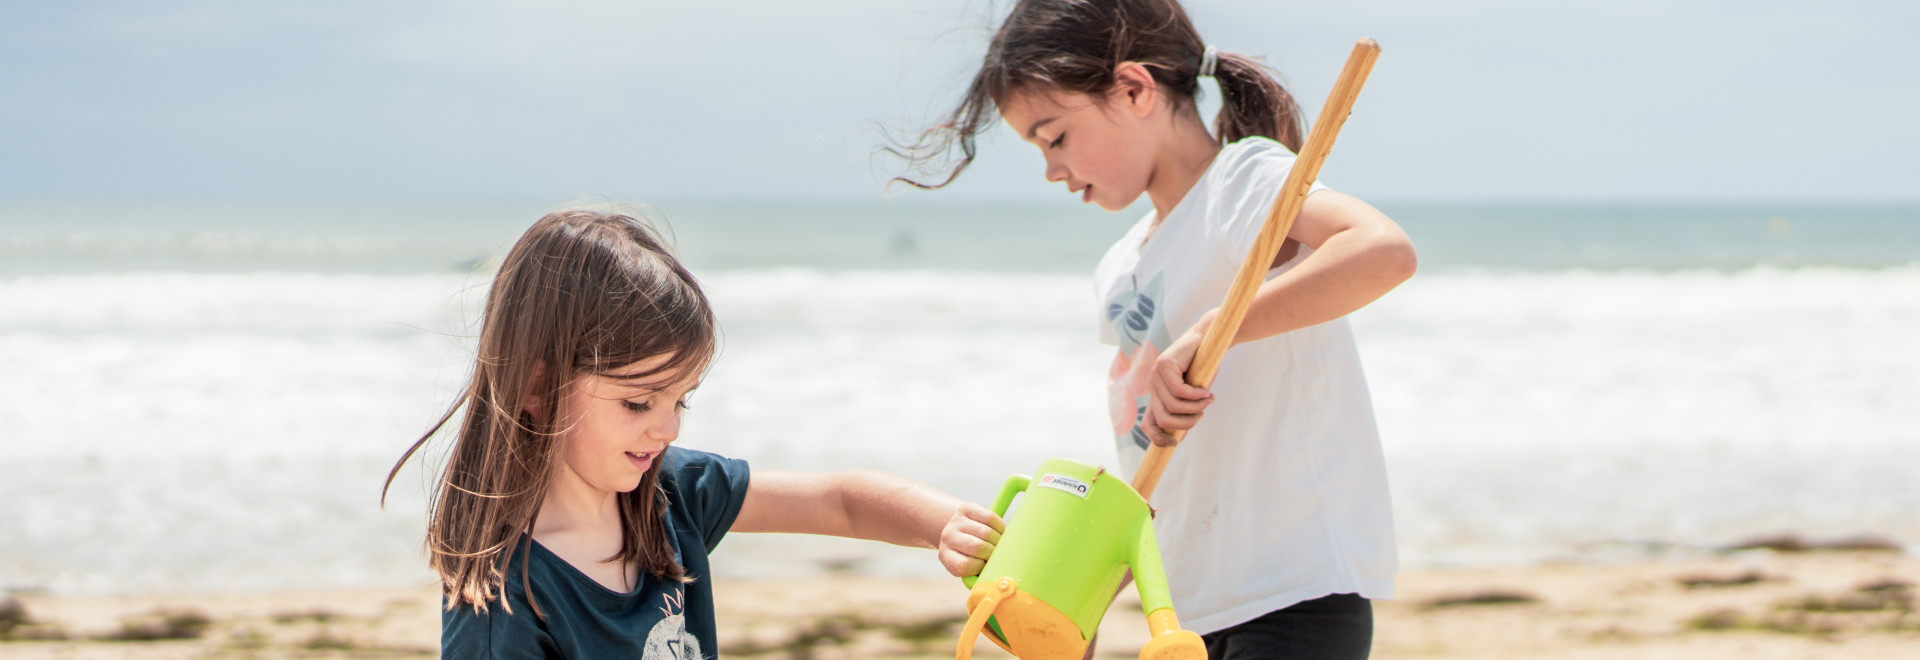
[{"x": 566, "y": 524}]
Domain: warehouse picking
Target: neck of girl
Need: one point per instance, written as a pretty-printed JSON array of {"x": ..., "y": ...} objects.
[
  {"x": 574, "y": 508},
  {"x": 1182, "y": 159},
  {"x": 581, "y": 524}
]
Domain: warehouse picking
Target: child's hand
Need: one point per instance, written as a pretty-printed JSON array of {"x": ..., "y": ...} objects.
[
  {"x": 1173, "y": 405},
  {"x": 968, "y": 539}
]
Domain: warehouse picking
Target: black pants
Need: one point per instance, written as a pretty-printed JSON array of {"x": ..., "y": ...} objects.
[{"x": 1336, "y": 627}]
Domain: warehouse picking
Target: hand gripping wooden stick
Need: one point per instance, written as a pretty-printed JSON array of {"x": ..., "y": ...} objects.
[{"x": 1293, "y": 193}]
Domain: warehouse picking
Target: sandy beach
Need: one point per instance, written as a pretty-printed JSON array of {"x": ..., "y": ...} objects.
[{"x": 1753, "y": 604}]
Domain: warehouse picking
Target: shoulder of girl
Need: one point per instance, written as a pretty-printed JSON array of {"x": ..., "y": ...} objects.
[
  {"x": 681, "y": 459},
  {"x": 1252, "y": 153},
  {"x": 685, "y": 468},
  {"x": 1258, "y": 162}
]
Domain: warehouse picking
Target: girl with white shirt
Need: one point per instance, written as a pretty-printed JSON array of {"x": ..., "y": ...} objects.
[{"x": 1274, "y": 517}]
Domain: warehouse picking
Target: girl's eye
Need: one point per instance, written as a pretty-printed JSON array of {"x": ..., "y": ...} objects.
[
  {"x": 1058, "y": 141},
  {"x": 642, "y": 406}
]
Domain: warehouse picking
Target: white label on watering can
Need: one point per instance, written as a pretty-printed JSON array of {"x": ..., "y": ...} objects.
[{"x": 1069, "y": 484}]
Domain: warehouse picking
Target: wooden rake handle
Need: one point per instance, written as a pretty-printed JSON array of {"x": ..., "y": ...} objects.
[{"x": 1293, "y": 193}]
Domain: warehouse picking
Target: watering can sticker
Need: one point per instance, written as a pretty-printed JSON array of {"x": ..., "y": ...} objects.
[{"x": 1053, "y": 574}]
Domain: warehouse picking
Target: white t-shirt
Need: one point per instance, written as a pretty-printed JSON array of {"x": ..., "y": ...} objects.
[{"x": 1279, "y": 494}]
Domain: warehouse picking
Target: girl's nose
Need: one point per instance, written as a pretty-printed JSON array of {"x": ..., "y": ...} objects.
[
  {"x": 1056, "y": 171},
  {"x": 667, "y": 431}
]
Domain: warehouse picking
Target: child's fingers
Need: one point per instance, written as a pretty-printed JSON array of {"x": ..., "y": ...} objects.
[
  {"x": 1168, "y": 416},
  {"x": 981, "y": 515},
  {"x": 1178, "y": 406},
  {"x": 1173, "y": 375},
  {"x": 1179, "y": 389},
  {"x": 1181, "y": 398},
  {"x": 1150, "y": 425},
  {"x": 971, "y": 545},
  {"x": 964, "y": 529},
  {"x": 960, "y": 565},
  {"x": 965, "y": 545},
  {"x": 972, "y": 537}
]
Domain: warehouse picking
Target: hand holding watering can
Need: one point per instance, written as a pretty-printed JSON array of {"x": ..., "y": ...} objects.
[{"x": 1078, "y": 530}]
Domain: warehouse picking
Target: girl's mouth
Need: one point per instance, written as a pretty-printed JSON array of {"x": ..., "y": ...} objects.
[
  {"x": 1086, "y": 194},
  {"x": 642, "y": 459}
]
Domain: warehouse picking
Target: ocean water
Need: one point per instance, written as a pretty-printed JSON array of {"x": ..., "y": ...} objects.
[{"x": 207, "y": 396}]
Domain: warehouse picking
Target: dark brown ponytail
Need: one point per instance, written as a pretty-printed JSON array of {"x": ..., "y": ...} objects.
[
  {"x": 1253, "y": 103},
  {"x": 1074, "y": 46}
]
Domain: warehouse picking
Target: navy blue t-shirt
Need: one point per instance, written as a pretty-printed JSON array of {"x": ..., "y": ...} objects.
[{"x": 658, "y": 619}]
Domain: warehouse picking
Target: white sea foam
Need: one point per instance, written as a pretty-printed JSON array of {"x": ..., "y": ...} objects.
[
  {"x": 1525, "y": 414},
  {"x": 231, "y": 430}
]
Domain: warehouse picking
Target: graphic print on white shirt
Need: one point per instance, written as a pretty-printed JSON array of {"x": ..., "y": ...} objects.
[{"x": 1142, "y": 329}]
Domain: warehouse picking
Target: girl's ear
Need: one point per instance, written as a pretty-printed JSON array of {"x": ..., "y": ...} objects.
[
  {"x": 1133, "y": 84},
  {"x": 531, "y": 401}
]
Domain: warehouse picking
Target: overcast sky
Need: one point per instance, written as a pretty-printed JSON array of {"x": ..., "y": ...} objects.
[{"x": 645, "y": 100}]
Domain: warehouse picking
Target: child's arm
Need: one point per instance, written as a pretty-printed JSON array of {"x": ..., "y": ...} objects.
[
  {"x": 1359, "y": 254},
  {"x": 875, "y": 506}
]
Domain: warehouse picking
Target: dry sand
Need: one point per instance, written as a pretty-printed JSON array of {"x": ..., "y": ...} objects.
[{"x": 1742, "y": 605}]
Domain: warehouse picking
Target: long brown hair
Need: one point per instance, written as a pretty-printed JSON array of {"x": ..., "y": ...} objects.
[
  {"x": 586, "y": 292},
  {"x": 1074, "y": 46}
]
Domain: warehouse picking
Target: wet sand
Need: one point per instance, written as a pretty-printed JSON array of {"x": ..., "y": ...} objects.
[{"x": 1758, "y": 604}]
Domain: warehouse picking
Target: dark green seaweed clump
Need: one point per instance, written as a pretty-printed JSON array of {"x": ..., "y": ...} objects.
[
  {"x": 1484, "y": 597},
  {"x": 161, "y": 624}
]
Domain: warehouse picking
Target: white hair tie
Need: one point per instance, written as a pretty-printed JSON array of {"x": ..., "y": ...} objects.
[{"x": 1208, "y": 60}]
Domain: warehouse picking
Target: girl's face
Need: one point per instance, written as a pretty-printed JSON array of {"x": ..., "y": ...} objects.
[
  {"x": 1096, "y": 146},
  {"x": 613, "y": 430}
]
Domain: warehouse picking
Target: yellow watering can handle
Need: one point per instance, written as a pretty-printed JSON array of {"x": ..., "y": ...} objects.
[
  {"x": 977, "y": 619},
  {"x": 1293, "y": 193}
]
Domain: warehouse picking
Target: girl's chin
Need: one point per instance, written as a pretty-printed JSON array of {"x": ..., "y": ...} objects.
[
  {"x": 628, "y": 479},
  {"x": 1108, "y": 202}
]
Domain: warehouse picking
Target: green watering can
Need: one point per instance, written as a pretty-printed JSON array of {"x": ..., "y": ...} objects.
[
  {"x": 1078, "y": 530},
  {"x": 1057, "y": 567}
]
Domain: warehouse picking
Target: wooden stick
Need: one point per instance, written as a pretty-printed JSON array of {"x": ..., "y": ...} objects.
[{"x": 1293, "y": 193}]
